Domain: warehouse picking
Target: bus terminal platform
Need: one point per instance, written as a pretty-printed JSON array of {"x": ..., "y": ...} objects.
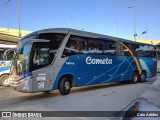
[{"x": 147, "y": 106}]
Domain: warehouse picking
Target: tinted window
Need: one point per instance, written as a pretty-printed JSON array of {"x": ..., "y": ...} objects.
[
  {"x": 55, "y": 39},
  {"x": 95, "y": 46},
  {"x": 1, "y": 54},
  {"x": 55, "y": 42},
  {"x": 81, "y": 45},
  {"x": 145, "y": 50},
  {"x": 110, "y": 48},
  {"x": 75, "y": 45},
  {"x": 41, "y": 55},
  {"x": 10, "y": 55}
]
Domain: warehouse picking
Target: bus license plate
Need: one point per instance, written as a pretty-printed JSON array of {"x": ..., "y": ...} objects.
[{"x": 40, "y": 85}]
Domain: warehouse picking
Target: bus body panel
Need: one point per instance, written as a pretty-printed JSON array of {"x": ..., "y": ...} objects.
[
  {"x": 149, "y": 64},
  {"x": 41, "y": 80},
  {"x": 6, "y": 55},
  {"x": 91, "y": 69},
  {"x": 5, "y": 67},
  {"x": 86, "y": 73}
]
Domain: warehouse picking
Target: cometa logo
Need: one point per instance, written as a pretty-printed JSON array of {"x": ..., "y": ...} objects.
[{"x": 90, "y": 60}]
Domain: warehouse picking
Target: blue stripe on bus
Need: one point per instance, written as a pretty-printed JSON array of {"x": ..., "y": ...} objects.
[
  {"x": 119, "y": 65},
  {"x": 25, "y": 75},
  {"x": 121, "y": 69},
  {"x": 127, "y": 69},
  {"x": 2, "y": 69}
]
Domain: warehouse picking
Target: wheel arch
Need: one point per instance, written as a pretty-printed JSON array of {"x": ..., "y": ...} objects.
[
  {"x": 1, "y": 76},
  {"x": 71, "y": 79},
  {"x": 145, "y": 72},
  {"x": 4, "y": 74},
  {"x": 135, "y": 71},
  {"x": 57, "y": 80}
]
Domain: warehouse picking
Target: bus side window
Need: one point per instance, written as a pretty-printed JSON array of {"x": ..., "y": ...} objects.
[
  {"x": 1, "y": 55},
  {"x": 145, "y": 50},
  {"x": 92, "y": 47},
  {"x": 96, "y": 46},
  {"x": 100, "y": 46},
  {"x": 10, "y": 55},
  {"x": 55, "y": 42},
  {"x": 75, "y": 45},
  {"x": 110, "y": 48},
  {"x": 138, "y": 50}
]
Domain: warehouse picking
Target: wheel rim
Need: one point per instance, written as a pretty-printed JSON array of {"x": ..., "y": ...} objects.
[
  {"x": 67, "y": 85},
  {"x": 143, "y": 77},
  {"x": 5, "y": 81},
  {"x": 135, "y": 78}
]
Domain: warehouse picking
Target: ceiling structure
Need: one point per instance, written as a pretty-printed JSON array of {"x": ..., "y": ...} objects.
[{"x": 11, "y": 36}]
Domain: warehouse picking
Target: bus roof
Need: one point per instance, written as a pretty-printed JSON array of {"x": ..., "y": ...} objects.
[{"x": 84, "y": 34}]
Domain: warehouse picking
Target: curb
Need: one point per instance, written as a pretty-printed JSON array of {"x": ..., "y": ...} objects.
[
  {"x": 152, "y": 94},
  {"x": 148, "y": 101}
]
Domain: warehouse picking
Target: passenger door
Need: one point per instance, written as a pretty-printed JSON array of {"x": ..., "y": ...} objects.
[{"x": 40, "y": 62}]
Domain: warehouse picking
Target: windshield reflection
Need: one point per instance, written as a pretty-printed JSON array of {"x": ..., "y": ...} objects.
[
  {"x": 20, "y": 63},
  {"x": 14, "y": 63}
]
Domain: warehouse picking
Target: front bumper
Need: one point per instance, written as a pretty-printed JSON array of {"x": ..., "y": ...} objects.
[{"x": 22, "y": 85}]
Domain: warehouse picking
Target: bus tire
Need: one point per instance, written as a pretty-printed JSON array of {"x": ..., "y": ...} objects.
[
  {"x": 2, "y": 80},
  {"x": 135, "y": 78},
  {"x": 143, "y": 76},
  {"x": 65, "y": 86}
]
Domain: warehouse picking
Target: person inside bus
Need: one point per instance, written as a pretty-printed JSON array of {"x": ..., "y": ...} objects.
[
  {"x": 80, "y": 47},
  {"x": 38, "y": 59},
  {"x": 92, "y": 49},
  {"x": 72, "y": 45}
]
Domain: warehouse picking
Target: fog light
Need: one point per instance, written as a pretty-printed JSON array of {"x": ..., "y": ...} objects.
[{"x": 24, "y": 88}]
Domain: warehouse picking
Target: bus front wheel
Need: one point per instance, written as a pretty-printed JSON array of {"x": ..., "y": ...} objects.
[
  {"x": 65, "y": 86},
  {"x": 4, "y": 80},
  {"x": 135, "y": 77}
]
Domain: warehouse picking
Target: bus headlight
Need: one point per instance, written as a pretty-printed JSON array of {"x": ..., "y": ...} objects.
[{"x": 23, "y": 88}]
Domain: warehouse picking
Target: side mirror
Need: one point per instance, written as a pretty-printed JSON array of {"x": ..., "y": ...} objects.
[
  {"x": 30, "y": 41},
  {"x": 20, "y": 50}
]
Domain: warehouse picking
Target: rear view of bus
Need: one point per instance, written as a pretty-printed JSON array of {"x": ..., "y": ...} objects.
[{"x": 62, "y": 58}]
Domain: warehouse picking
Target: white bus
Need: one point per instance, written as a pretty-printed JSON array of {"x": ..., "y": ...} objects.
[{"x": 6, "y": 55}]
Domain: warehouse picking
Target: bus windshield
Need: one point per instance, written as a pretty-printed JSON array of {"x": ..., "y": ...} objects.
[
  {"x": 21, "y": 61},
  {"x": 8, "y": 54}
]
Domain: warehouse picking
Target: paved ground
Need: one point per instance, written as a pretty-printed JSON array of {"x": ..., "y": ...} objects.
[
  {"x": 148, "y": 104},
  {"x": 108, "y": 97}
]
